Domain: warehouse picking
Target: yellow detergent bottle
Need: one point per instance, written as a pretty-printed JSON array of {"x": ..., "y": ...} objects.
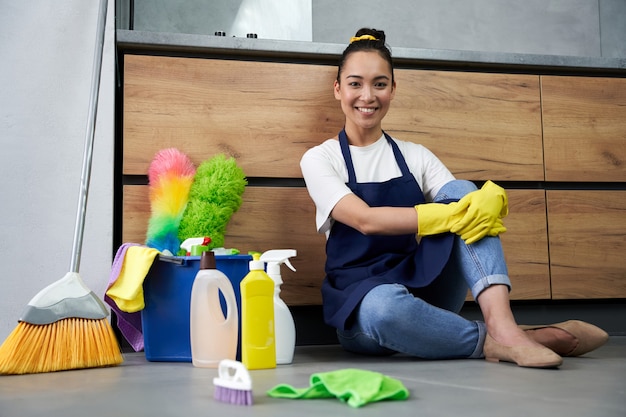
[{"x": 258, "y": 345}]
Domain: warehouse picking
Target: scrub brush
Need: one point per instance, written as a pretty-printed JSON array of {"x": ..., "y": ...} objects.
[{"x": 233, "y": 385}]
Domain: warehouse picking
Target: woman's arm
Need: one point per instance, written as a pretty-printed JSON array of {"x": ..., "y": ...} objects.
[{"x": 354, "y": 212}]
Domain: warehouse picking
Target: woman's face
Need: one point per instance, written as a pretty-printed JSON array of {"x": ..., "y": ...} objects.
[{"x": 365, "y": 89}]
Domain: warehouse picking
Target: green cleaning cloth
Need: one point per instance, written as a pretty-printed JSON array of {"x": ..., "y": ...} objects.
[{"x": 357, "y": 387}]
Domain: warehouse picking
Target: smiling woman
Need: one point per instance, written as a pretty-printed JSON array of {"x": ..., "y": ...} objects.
[{"x": 386, "y": 291}]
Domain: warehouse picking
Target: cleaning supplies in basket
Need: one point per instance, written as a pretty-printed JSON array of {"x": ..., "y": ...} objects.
[{"x": 187, "y": 202}]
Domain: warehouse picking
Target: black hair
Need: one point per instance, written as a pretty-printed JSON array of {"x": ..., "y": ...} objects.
[{"x": 358, "y": 45}]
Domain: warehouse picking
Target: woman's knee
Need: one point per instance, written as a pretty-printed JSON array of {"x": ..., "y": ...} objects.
[
  {"x": 455, "y": 190},
  {"x": 378, "y": 307}
]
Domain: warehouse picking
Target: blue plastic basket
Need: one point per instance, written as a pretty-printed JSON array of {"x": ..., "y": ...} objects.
[{"x": 167, "y": 295}]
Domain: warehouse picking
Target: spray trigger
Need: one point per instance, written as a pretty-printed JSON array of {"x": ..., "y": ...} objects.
[{"x": 289, "y": 265}]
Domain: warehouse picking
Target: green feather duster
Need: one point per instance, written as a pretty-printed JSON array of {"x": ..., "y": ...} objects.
[{"x": 214, "y": 197}]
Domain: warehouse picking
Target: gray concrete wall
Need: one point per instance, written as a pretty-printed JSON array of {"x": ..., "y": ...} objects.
[
  {"x": 565, "y": 27},
  {"x": 613, "y": 28},
  {"x": 270, "y": 19},
  {"x": 589, "y": 28},
  {"x": 47, "y": 53}
]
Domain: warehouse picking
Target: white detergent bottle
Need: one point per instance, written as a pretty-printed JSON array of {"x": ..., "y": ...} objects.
[
  {"x": 285, "y": 328},
  {"x": 213, "y": 335}
]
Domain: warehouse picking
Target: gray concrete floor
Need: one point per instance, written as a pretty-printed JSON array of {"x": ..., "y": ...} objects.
[{"x": 593, "y": 385}]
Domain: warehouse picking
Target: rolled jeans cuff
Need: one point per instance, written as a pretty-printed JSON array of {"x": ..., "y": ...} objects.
[
  {"x": 482, "y": 335},
  {"x": 486, "y": 282}
]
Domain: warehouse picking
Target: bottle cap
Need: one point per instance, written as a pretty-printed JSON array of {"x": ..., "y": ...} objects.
[
  {"x": 256, "y": 264},
  {"x": 207, "y": 260}
]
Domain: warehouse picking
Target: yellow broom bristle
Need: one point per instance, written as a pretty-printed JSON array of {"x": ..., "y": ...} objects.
[{"x": 72, "y": 343}]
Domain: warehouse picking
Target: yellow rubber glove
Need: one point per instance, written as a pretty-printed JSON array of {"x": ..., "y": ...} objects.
[
  {"x": 483, "y": 215},
  {"x": 497, "y": 228},
  {"x": 436, "y": 218}
]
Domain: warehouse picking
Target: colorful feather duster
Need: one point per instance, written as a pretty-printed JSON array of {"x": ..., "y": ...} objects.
[
  {"x": 214, "y": 197},
  {"x": 171, "y": 174}
]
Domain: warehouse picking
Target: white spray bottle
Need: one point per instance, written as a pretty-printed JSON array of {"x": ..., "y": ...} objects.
[{"x": 285, "y": 328}]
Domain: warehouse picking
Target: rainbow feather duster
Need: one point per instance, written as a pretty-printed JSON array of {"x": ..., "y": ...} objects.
[
  {"x": 171, "y": 174},
  {"x": 215, "y": 195}
]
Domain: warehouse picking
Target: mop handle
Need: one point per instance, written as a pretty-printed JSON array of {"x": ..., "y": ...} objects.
[{"x": 89, "y": 139}]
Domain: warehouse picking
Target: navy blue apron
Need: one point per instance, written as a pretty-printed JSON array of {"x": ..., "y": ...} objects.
[{"x": 356, "y": 263}]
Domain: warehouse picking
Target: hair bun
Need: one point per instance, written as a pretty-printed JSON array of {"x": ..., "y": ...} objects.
[
  {"x": 369, "y": 34},
  {"x": 366, "y": 40}
]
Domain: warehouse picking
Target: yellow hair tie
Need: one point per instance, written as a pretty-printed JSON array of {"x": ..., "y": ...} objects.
[{"x": 362, "y": 38}]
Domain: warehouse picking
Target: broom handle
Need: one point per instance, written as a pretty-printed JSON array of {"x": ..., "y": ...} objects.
[{"x": 89, "y": 139}]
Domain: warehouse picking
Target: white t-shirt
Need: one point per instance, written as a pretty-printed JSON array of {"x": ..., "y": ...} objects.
[{"x": 326, "y": 175}]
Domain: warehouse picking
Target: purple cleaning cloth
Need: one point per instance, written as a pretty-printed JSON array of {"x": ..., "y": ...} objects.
[{"x": 128, "y": 323}]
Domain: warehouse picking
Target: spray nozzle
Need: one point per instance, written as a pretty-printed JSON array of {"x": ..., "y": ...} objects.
[
  {"x": 274, "y": 258},
  {"x": 279, "y": 256},
  {"x": 286, "y": 262},
  {"x": 194, "y": 241}
]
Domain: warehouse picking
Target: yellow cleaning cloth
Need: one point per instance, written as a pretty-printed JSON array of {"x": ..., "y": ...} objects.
[
  {"x": 127, "y": 290},
  {"x": 356, "y": 387}
]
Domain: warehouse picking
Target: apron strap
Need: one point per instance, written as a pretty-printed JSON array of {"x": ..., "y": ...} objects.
[
  {"x": 399, "y": 158},
  {"x": 345, "y": 150}
]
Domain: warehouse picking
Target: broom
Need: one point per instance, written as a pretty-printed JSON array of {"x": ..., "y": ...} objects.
[{"x": 65, "y": 325}]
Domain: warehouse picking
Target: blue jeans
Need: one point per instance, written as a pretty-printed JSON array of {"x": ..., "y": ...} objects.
[{"x": 425, "y": 322}]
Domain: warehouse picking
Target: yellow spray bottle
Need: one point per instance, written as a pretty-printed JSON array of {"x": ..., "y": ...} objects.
[{"x": 258, "y": 344}]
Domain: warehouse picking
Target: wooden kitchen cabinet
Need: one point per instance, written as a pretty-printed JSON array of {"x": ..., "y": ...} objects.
[{"x": 541, "y": 136}]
